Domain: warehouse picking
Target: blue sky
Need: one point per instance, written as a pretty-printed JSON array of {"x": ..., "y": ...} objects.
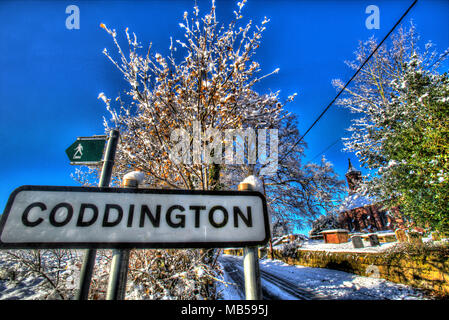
[{"x": 51, "y": 76}]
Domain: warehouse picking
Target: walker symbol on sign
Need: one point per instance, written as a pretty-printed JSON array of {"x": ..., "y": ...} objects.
[
  {"x": 78, "y": 152},
  {"x": 86, "y": 150}
]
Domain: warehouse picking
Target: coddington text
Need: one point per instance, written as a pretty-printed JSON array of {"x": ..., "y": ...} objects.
[{"x": 132, "y": 215}]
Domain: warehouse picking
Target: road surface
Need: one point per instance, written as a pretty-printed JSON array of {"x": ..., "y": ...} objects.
[{"x": 274, "y": 287}]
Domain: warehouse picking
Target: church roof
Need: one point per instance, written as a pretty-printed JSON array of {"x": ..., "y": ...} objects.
[{"x": 354, "y": 201}]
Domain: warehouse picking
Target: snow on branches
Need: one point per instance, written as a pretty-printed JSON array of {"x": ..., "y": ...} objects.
[
  {"x": 401, "y": 131},
  {"x": 211, "y": 85},
  {"x": 207, "y": 81}
]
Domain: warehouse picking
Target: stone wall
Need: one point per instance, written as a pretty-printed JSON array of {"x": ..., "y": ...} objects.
[{"x": 427, "y": 270}]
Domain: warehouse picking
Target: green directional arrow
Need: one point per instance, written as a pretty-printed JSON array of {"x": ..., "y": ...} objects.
[{"x": 86, "y": 150}]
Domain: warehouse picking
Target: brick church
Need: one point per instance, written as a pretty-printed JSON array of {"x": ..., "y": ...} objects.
[{"x": 359, "y": 213}]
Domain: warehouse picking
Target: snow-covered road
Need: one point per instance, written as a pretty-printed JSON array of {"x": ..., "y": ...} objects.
[
  {"x": 281, "y": 281},
  {"x": 273, "y": 286}
]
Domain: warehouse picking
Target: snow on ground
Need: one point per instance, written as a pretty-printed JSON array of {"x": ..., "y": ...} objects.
[
  {"x": 334, "y": 284},
  {"x": 328, "y": 284},
  {"x": 319, "y": 245},
  {"x": 228, "y": 288},
  {"x": 17, "y": 283}
]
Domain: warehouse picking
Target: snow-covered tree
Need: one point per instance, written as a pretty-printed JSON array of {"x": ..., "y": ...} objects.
[
  {"x": 297, "y": 192},
  {"x": 372, "y": 89},
  {"x": 211, "y": 87},
  {"x": 402, "y": 133},
  {"x": 415, "y": 147}
]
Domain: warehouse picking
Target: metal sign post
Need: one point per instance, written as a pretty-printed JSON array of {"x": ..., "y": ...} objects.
[
  {"x": 118, "y": 276},
  {"x": 105, "y": 178},
  {"x": 253, "y": 289},
  {"x": 251, "y": 270},
  {"x": 119, "y": 264}
]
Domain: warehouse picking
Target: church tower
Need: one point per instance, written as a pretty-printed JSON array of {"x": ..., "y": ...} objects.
[{"x": 354, "y": 177}]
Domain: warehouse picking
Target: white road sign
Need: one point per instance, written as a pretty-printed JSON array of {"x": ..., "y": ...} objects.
[{"x": 85, "y": 217}]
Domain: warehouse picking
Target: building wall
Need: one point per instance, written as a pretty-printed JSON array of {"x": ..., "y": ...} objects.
[{"x": 369, "y": 218}]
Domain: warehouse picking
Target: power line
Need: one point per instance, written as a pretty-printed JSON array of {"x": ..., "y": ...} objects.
[
  {"x": 327, "y": 148},
  {"x": 355, "y": 74}
]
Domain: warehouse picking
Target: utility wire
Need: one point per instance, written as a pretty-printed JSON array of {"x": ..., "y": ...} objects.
[
  {"x": 347, "y": 83},
  {"x": 327, "y": 148}
]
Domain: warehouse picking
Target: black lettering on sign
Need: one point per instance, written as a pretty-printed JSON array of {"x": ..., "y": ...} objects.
[
  {"x": 212, "y": 220},
  {"x": 84, "y": 206},
  {"x": 197, "y": 210},
  {"x": 53, "y": 212},
  {"x": 155, "y": 220},
  {"x": 25, "y": 220},
  {"x": 181, "y": 217},
  {"x": 130, "y": 216},
  {"x": 107, "y": 210},
  {"x": 247, "y": 220}
]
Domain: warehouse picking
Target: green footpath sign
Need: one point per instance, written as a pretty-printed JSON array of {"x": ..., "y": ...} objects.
[{"x": 86, "y": 150}]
